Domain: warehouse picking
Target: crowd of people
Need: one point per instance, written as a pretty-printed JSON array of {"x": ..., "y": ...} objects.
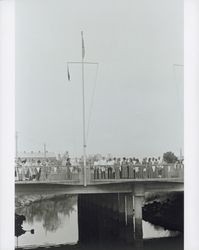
[
  {"x": 103, "y": 168},
  {"x": 125, "y": 168},
  {"x": 32, "y": 168},
  {"x": 34, "y": 162}
]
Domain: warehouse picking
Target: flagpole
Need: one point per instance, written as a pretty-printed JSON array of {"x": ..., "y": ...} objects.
[
  {"x": 82, "y": 62},
  {"x": 83, "y": 112}
]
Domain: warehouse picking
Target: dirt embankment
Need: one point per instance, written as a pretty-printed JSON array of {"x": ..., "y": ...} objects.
[
  {"x": 26, "y": 200},
  {"x": 165, "y": 210}
]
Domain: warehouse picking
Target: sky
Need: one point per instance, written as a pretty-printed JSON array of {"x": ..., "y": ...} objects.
[{"x": 134, "y": 98}]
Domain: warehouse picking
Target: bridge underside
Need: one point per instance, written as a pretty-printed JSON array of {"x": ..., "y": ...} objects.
[
  {"x": 121, "y": 186},
  {"x": 125, "y": 205}
]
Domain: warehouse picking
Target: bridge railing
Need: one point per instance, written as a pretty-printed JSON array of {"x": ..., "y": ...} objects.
[
  {"x": 71, "y": 174},
  {"x": 137, "y": 171},
  {"x": 74, "y": 174}
]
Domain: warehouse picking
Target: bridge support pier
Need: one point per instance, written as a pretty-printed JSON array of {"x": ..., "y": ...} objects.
[
  {"x": 121, "y": 203},
  {"x": 138, "y": 202},
  {"x": 129, "y": 227},
  {"x": 129, "y": 210}
]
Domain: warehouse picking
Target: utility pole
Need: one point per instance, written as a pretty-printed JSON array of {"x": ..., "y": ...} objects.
[
  {"x": 44, "y": 150},
  {"x": 180, "y": 154}
]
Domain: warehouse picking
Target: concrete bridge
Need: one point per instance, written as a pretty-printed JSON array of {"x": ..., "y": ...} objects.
[
  {"x": 131, "y": 193},
  {"x": 100, "y": 187}
]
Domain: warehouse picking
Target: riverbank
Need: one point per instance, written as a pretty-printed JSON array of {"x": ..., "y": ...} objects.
[
  {"x": 27, "y": 200},
  {"x": 166, "y": 211}
]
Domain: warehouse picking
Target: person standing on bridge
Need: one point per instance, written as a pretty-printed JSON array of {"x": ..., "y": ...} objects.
[
  {"x": 117, "y": 168},
  {"x": 113, "y": 167},
  {"x": 131, "y": 169},
  {"x": 96, "y": 169},
  {"x": 154, "y": 169},
  {"x": 68, "y": 165},
  {"x": 124, "y": 169},
  {"x": 149, "y": 168},
  {"x": 144, "y": 168},
  {"x": 136, "y": 167},
  {"x": 110, "y": 168},
  {"x": 103, "y": 167}
]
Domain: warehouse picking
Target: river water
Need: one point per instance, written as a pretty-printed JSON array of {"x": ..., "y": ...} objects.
[{"x": 55, "y": 222}]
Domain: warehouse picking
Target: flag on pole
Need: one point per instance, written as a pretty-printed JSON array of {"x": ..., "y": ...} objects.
[
  {"x": 83, "y": 48},
  {"x": 68, "y": 73}
]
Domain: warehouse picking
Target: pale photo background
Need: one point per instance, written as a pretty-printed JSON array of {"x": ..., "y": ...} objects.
[
  {"x": 138, "y": 102},
  {"x": 7, "y": 124}
]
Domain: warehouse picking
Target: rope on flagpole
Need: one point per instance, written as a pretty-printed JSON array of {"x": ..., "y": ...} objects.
[
  {"x": 92, "y": 103},
  {"x": 93, "y": 92}
]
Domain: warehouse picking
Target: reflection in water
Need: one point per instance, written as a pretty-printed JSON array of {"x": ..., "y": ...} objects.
[
  {"x": 152, "y": 231},
  {"x": 56, "y": 222},
  {"x": 48, "y": 212}
]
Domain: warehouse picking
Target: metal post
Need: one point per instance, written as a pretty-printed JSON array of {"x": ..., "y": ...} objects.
[
  {"x": 180, "y": 154},
  {"x": 44, "y": 150}
]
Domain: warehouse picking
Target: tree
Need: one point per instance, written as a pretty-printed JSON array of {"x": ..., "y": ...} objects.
[{"x": 169, "y": 157}]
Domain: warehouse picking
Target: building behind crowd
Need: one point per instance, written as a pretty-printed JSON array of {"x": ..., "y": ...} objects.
[{"x": 37, "y": 155}]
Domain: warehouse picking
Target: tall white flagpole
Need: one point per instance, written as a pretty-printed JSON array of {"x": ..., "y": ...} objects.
[
  {"x": 83, "y": 109},
  {"x": 82, "y": 62}
]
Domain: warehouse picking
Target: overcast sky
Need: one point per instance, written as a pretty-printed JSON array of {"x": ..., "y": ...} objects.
[{"x": 138, "y": 101}]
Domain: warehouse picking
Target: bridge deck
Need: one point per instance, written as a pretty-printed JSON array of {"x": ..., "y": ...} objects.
[
  {"x": 102, "y": 182},
  {"x": 118, "y": 186}
]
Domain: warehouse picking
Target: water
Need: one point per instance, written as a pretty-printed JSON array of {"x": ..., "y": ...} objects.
[
  {"x": 151, "y": 231},
  {"x": 55, "y": 222}
]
